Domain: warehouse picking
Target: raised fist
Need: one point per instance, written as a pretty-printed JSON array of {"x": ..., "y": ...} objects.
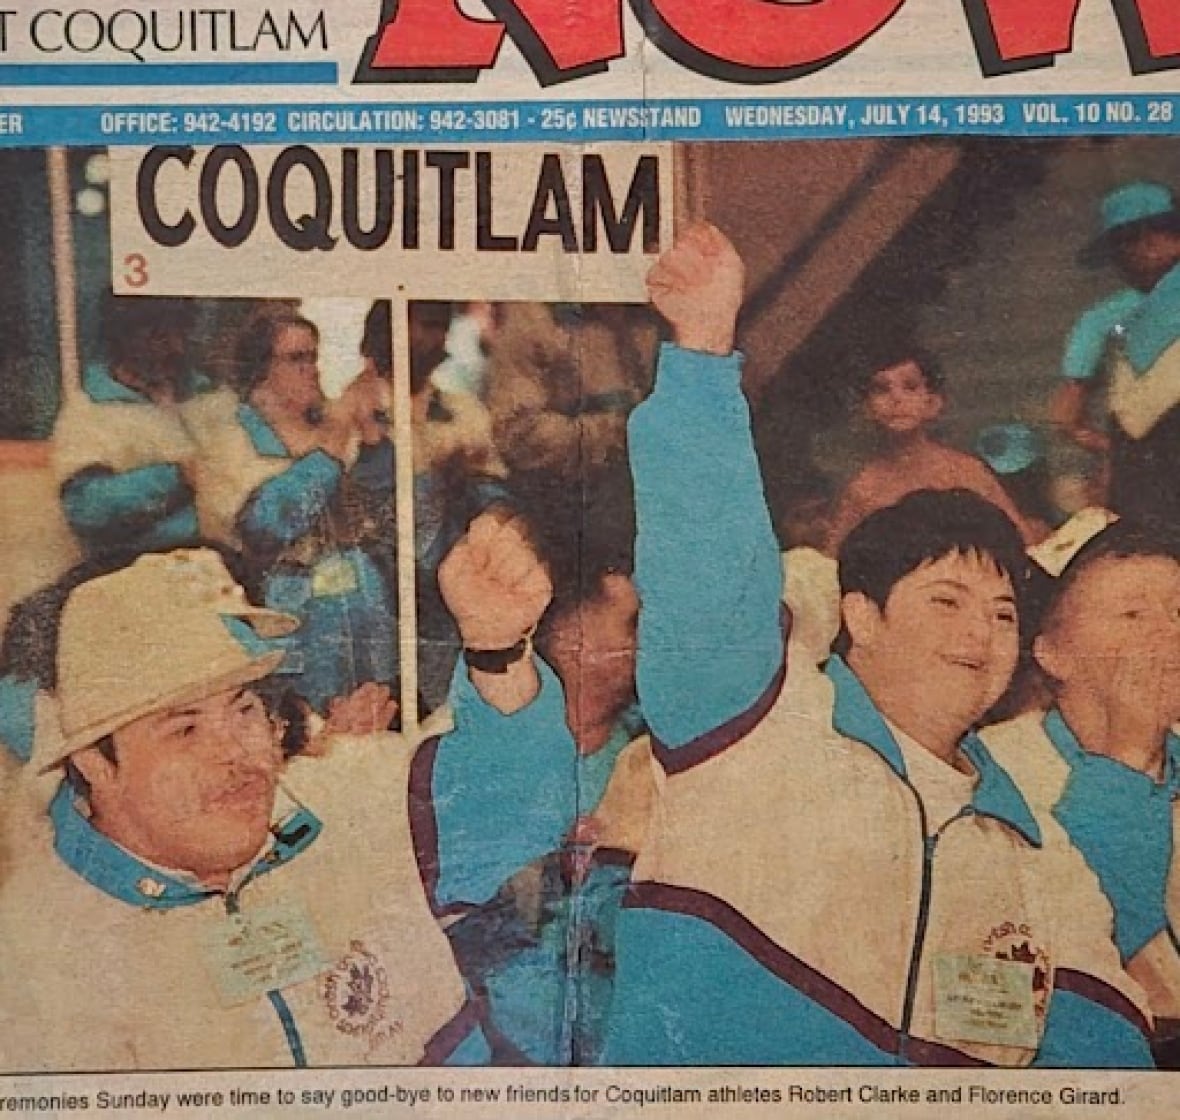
[
  {"x": 368, "y": 709},
  {"x": 697, "y": 286},
  {"x": 494, "y": 584}
]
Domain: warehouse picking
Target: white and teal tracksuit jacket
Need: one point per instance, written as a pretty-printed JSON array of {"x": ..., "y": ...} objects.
[
  {"x": 112, "y": 964},
  {"x": 789, "y": 906}
]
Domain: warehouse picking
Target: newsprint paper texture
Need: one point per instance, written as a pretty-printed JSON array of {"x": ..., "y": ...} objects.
[{"x": 590, "y": 559}]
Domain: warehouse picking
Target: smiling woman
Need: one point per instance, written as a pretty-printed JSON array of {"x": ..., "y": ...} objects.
[{"x": 1104, "y": 761}]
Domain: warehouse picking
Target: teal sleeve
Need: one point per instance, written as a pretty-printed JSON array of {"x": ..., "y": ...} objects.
[
  {"x": 284, "y": 509},
  {"x": 1083, "y": 1033},
  {"x": 1086, "y": 346},
  {"x": 708, "y": 567},
  {"x": 503, "y": 789},
  {"x": 1124, "y": 831},
  {"x": 129, "y": 502},
  {"x": 1156, "y": 326}
]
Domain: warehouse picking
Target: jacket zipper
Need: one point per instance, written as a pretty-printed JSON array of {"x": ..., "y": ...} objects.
[
  {"x": 929, "y": 843},
  {"x": 277, "y": 1001}
]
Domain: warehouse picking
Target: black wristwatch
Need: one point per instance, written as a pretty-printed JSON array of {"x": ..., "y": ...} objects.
[{"x": 495, "y": 660}]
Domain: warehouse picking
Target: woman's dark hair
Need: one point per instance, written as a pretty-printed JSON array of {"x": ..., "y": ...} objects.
[
  {"x": 127, "y": 320},
  {"x": 377, "y": 338},
  {"x": 256, "y": 343}
]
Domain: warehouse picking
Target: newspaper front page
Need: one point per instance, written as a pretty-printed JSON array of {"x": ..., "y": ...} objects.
[{"x": 590, "y": 559}]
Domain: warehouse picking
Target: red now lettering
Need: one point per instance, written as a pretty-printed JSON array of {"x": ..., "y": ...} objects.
[
  {"x": 1014, "y": 35},
  {"x": 431, "y": 40},
  {"x": 732, "y": 40},
  {"x": 754, "y": 41},
  {"x": 746, "y": 41}
]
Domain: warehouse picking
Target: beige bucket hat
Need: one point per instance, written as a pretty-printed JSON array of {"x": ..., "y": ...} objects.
[{"x": 168, "y": 630}]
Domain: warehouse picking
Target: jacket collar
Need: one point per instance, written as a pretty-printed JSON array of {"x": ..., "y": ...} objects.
[
  {"x": 1152, "y": 328},
  {"x": 100, "y": 386},
  {"x": 855, "y": 716},
  {"x": 264, "y": 438},
  {"x": 118, "y": 873},
  {"x": 1070, "y": 748}
]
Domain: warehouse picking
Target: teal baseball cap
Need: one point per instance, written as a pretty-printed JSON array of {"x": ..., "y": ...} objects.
[{"x": 1129, "y": 207}]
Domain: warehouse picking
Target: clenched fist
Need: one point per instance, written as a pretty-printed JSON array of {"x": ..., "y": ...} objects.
[
  {"x": 494, "y": 584},
  {"x": 697, "y": 286}
]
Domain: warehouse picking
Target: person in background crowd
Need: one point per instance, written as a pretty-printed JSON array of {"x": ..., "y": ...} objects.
[
  {"x": 1141, "y": 237},
  {"x": 561, "y": 382},
  {"x": 219, "y": 905},
  {"x": 120, "y": 447},
  {"x": 1104, "y": 761},
  {"x": 458, "y": 472},
  {"x": 903, "y": 399},
  {"x": 837, "y": 870},
  {"x": 270, "y": 467},
  {"x": 542, "y": 949},
  {"x": 475, "y": 823},
  {"x": 28, "y": 672},
  {"x": 805, "y": 521},
  {"x": 1015, "y": 453}
]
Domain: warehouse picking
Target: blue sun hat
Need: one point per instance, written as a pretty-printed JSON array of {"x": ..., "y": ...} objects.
[
  {"x": 1009, "y": 448},
  {"x": 1126, "y": 208}
]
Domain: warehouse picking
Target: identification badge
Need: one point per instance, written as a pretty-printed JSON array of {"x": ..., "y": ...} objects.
[
  {"x": 263, "y": 951},
  {"x": 982, "y": 999},
  {"x": 333, "y": 576}
]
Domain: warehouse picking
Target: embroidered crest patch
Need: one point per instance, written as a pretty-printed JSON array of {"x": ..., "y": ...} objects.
[
  {"x": 356, "y": 992},
  {"x": 1013, "y": 941}
]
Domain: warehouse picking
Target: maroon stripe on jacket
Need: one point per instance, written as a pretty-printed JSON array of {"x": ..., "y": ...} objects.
[
  {"x": 675, "y": 760},
  {"x": 447, "y": 1038},
  {"x": 921, "y": 1052},
  {"x": 817, "y": 987},
  {"x": 424, "y": 825},
  {"x": 1098, "y": 991}
]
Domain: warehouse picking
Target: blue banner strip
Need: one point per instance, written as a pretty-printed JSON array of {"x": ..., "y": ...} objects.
[
  {"x": 14, "y": 75},
  {"x": 587, "y": 121}
]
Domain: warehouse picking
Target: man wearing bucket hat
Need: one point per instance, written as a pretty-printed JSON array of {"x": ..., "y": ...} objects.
[
  {"x": 1140, "y": 236},
  {"x": 177, "y": 896}
]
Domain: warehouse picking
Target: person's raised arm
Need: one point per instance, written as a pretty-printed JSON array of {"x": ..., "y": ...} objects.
[
  {"x": 501, "y": 785},
  {"x": 707, "y": 562}
]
